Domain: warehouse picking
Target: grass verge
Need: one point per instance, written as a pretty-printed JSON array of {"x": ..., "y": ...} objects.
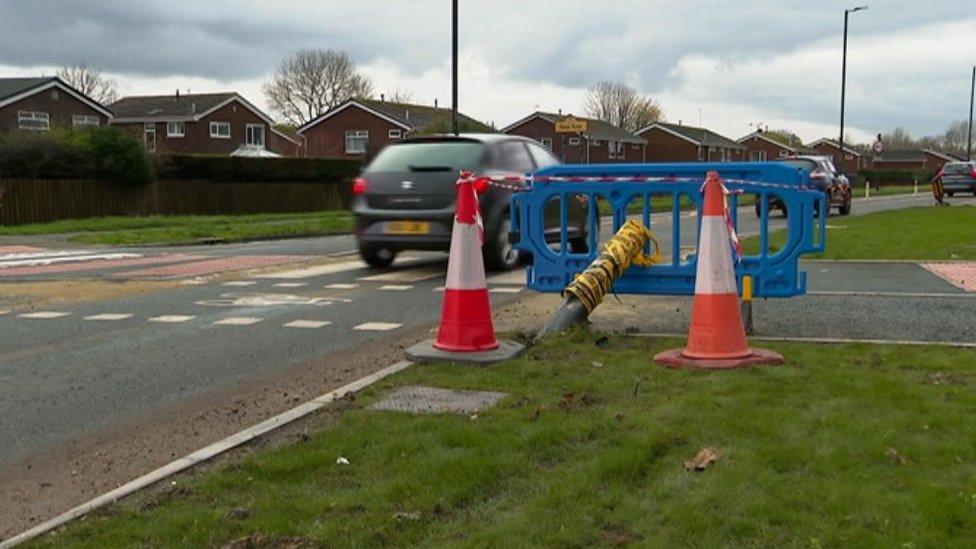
[
  {"x": 927, "y": 233},
  {"x": 157, "y": 229},
  {"x": 847, "y": 445}
]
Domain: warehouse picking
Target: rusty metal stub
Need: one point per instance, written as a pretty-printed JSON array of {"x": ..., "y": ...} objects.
[{"x": 419, "y": 399}]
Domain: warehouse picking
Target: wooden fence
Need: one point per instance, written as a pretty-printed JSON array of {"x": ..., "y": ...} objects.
[{"x": 40, "y": 200}]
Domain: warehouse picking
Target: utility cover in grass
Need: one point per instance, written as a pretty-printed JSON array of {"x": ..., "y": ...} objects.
[{"x": 418, "y": 399}]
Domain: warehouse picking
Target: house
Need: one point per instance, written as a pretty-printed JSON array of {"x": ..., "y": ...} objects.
[
  {"x": 760, "y": 147},
  {"x": 849, "y": 162},
  {"x": 360, "y": 128},
  {"x": 203, "y": 123},
  {"x": 679, "y": 143},
  {"x": 41, "y": 104},
  {"x": 911, "y": 159},
  {"x": 600, "y": 142}
]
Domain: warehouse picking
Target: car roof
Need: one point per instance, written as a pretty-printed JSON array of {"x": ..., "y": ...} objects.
[{"x": 486, "y": 138}]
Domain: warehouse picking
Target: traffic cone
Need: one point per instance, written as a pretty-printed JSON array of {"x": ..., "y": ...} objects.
[
  {"x": 717, "y": 338},
  {"x": 466, "y": 332}
]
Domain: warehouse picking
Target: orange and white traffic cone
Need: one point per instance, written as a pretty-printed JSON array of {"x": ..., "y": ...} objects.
[
  {"x": 717, "y": 338},
  {"x": 466, "y": 332}
]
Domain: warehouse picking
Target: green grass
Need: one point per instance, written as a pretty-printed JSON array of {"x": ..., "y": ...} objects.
[
  {"x": 119, "y": 230},
  {"x": 664, "y": 204},
  {"x": 888, "y": 190},
  {"x": 844, "y": 446},
  {"x": 915, "y": 233}
]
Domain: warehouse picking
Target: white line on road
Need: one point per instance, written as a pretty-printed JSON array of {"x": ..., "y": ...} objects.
[
  {"x": 109, "y": 316},
  {"x": 290, "y": 285},
  {"x": 172, "y": 319},
  {"x": 407, "y": 275},
  {"x": 44, "y": 315},
  {"x": 396, "y": 287},
  {"x": 892, "y": 294},
  {"x": 317, "y": 270},
  {"x": 505, "y": 290},
  {"x": 239, "y": 283},
  {"x": 238, "y": 321},
  {"x": 5, "y": 312},
  {"x": 341, "y": 286},
  {"x": 307, "y": 324},
  {"x": 40, "y": 262},
  {"x": 205, "y": 454},
  {"x": 377, "y": 327}
]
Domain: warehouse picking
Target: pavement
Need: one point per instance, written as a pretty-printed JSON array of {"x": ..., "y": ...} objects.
[{"x": 112, "y": 360}]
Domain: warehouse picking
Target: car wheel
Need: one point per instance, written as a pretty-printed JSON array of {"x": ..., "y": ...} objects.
[
  {"x": 377, "y": 257},
  {"x": 845, "y": 208},
  {"x": 499, "y": 253},
  {"x": 950, "y": 193},
  {"x": 758, "y": 210},
  {"x": 579, "y": 245}
]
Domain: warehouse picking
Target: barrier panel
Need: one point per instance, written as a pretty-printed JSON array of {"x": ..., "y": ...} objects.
[{"x": 556, "y": 262}]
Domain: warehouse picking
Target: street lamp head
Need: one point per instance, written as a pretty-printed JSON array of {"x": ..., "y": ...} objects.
[{"x": 858, "y": 8}]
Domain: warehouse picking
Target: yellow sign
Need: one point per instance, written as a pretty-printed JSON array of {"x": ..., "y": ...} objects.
[{"x": 570, "y": 125}]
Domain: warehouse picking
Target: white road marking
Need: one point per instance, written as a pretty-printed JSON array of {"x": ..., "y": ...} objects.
[
  {"x": 317, "y": 270},
  {"x": 109, "y": 316},
  {"x": 341, "y": 286},
  {"x": 439, "y": 289},
  {"x": 505, "y": 290},
  {"x": 172, "y": 319},
  {"x": 4, "y": 312},
  {"x": 396, "y": 287},
  {"x": 50, "y": 258},
  {"x": 407, "y": 275},
  {"x": 377, "y": 327},
  {"x": 290, "y": 285},
  {"x": 239, "y": 283},
  {"x": 44, "y": 315},
  {"x": 307, "y": 324},
  {"x": 238, "y": 321}
]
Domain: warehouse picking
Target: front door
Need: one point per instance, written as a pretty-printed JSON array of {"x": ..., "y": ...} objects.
[
  {"x": 149, "y": 137},
  {"x": 255, "y": 135}
]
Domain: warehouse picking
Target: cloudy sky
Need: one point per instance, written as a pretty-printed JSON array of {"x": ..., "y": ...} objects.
[{"x": 728, "y": 64}]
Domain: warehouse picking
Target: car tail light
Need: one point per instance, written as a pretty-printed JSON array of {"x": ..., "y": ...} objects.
[
  {"x": 359, "y": 186},
  {"x": 817, "y": 175},
  {"x": 481, "y": 184},
  {"x": 972, "y": 173}
]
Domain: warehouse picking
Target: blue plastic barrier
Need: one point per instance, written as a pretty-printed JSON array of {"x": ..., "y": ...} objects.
[{"x": 775, "y": 274}]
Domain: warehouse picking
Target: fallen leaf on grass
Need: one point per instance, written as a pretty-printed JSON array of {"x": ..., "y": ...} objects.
[
  {"x": 705, "y": 457},
  {"x": 571, "y": 401},
  {"x": 896, "y": 458},
  {"x": 596, "y": 364},
  {"x": 401, "y": 516},
  {"x": 536, "y": 413}
]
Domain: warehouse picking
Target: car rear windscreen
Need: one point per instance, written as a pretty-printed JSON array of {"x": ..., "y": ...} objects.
[
  {"x": 957, "y": 168},
  {"x": 808, "y": 165},
  {"x": 451, "y": 156}
]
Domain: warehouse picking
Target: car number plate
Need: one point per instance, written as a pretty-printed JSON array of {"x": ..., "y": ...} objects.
[{"x": 407, "y": 227}]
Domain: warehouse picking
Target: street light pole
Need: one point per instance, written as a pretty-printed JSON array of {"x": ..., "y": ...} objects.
[
  {"x": 454, "y": 67},
  {"x": 969, "y": 135},
  {"x": 843, "y": 77}
]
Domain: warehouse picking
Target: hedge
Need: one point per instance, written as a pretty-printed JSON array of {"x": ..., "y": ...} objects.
[
  {"x": 96, "y": 153},
  {"x": 896, "y": 177},
  {"x": 241, "y": 169}
]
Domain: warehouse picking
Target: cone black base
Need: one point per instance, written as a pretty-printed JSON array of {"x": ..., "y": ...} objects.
[{"x": 426, "y": 352}]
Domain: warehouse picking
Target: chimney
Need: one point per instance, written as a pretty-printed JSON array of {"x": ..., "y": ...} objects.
[
  {"x": 408, "y": 115},
  {"x": 193, "y": 108},
  {"x": 560, "y": 112},
  {"x": 177, "y": 94},
  {"x": 382, "y": 98},
  {"x": 435, "y": 102},
  {"x": 679, "y": 121}
]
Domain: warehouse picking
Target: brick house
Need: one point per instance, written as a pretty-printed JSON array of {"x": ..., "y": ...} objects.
[
  {"x": 761, "y": 148},
  {"x": 30, "y": 105},
  {"x": 601, "y": 143},
  {"x": 359, "y": 128},
  {"x": 849, "y": 162},
  {"x": 911, "y": 159},
  {"x": 204, "y": 123},
  {"x": 679, "y": 143}
]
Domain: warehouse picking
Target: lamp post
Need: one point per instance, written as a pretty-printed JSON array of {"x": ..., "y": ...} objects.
[
  {"x": 843, "y": 76},
  {"x": 969, "y": 134},
  {"x": 454, "y": 67}
]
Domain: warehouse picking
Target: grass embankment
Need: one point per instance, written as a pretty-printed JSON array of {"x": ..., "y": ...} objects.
[
  {"x": 888, "y": 190},
  {"x": 848, "y": 445},
  {"x": 927, "y": 233},
  {"x": 157, "y": 229}
]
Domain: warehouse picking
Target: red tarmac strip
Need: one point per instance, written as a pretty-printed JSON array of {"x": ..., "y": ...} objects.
[
  {"x": 18, "y": 249},
  {"x": 959, "y": 274},
  {"x": 95, "y": 265}
]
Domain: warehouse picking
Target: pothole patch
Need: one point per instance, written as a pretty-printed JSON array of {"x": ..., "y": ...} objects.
[{"x": 419, "y": 399}]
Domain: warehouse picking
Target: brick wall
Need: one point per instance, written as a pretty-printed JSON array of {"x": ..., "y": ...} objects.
[
  {"x": 327, "y": 139},
  {"x": 59, "y": 105}
]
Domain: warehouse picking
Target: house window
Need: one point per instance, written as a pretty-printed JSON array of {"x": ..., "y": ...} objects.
[
  {"x": 783, "y": 153},
  {"x": 82, "y": 121},
  {"x": 848, "y": 157},
  {"x": 255, "y": 135},
  {"x": 574, "y": 141},
  {"x": 220, "y": 130},
  {"x": 701, "y": 153},
  {"x": 595, "y": 143},
  {"x": 175, "y": 129},
  {"x": 394, "y": 134},
  {"x": 356, "y": 141},
  {"x": 149, "y": 136},
  {"x": 761, "y": 156},
  {"x": 33, "y": 120},
  {"x": 546, "y": 142}
]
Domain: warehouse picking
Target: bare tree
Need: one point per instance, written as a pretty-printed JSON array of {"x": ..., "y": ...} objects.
[
  {"x": 91, "y": 82},
  {"x": 621, "y": 105},
  {"x": 898, "y": 139},
  {"x": 955, "y": 137},
  {"x": 310, "y": 82},
  {"x": 401, "y": 96}
]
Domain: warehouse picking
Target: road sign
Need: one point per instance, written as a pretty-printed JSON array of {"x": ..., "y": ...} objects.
[
  {"x": 570, "y": 125},
  {"x": 878, "y": 146}
]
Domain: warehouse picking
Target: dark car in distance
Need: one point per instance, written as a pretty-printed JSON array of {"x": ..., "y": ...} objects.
[
  {"x": 958, "y": 177},
  {"x": 824, "y": 177},
  {"x": 405, "y": 198}
]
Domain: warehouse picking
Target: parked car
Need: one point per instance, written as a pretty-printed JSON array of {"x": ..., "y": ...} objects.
[
  {"x": 823, "y": 177},
  {"x": 958, "y": 177},
  {"x": 405, "y": 198}
]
